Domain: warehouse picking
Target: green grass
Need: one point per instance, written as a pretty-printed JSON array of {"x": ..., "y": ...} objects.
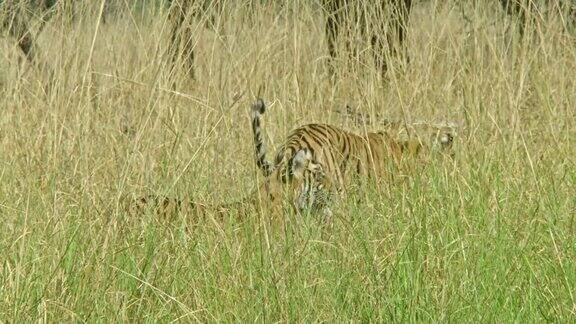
[{"x": 488, "y": 237}]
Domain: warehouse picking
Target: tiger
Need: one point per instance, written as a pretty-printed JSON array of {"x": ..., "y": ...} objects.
[
  {"x": 302, "y": 184},
  {"x": 343, "y": 155},
  {"x": 438, "y": 135}
]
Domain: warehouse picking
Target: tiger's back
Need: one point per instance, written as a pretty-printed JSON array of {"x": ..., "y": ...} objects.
[{"x": 343, "y": 154}]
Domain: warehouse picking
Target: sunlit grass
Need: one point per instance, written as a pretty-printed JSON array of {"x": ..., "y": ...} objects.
[{"x": 487, "y": 237}]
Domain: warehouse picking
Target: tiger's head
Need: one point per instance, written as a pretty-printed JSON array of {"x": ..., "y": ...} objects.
[
  {"x": 427, "y": 140},
  {"x": 302, "y": 182}
]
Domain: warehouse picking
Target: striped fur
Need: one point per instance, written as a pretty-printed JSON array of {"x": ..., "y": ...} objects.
[
  {"x": 343, "y": 155},
  {"x": 303, "y": 185},
  {"x": 258, "y": 108}
]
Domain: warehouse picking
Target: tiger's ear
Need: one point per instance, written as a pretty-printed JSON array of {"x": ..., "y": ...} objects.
[
  {"x": 446, "y": 140},
  {"x": 300, "y": 163},
  {"x": 442, "y": 141}
]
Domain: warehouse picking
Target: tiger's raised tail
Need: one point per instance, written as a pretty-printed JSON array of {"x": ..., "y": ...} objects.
[{"x": 258, "y": 108}]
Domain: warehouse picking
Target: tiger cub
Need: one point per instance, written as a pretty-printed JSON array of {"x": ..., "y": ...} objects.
[{"x": 302, "y": 184}]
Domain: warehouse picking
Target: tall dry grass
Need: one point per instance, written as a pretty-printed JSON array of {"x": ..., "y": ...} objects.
[{"x": 489, "y": 237}]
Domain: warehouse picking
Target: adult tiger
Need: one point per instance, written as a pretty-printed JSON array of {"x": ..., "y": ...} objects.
[
  {"x": 302, "y": 183},
  {"x": 342, "y": 155},
  {"x": 438, "y": 135}
]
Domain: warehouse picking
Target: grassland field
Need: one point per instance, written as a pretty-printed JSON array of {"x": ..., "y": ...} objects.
[{"x": 488, "y": 237}]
